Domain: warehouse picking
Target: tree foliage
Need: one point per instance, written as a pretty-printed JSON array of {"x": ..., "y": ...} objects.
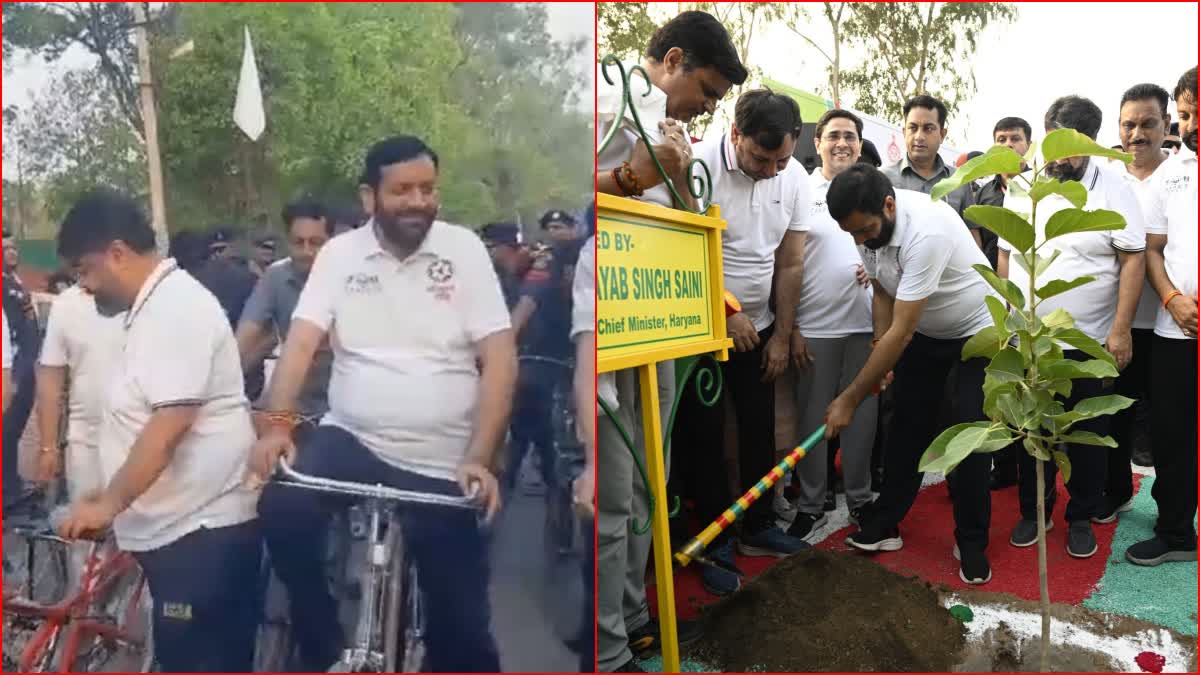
[
  {"x": 916, "y": 48},
  {"x": 484, "y": 84}
]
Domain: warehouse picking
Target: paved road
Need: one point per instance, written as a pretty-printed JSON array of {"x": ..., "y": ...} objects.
[{"x": 535, "y": 605}]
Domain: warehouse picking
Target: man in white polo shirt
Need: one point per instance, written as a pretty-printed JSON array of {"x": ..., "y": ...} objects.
[
  {"x": 81, "y": 347},
  {"x": 691, "y": 63},
  {"x": 1171, "y": 264},
  {"x": 412, "y": 304},
  {"x": 174, "y": 442},
  {"x": 766, "y": 199},
  {"x": 1143, "y": 125},
  {"x": 1103, "y": 309},
  {"x": 928, "y": 301},
  {"x": 832, "y": 337}
]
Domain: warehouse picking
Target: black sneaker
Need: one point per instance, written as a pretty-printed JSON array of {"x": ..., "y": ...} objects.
[
  {"x": 630, "y": 666},
  {"x": 1025, "y": 533},
  {"x": 647, "y": 640},
  {"x": 830, "y": 501},
  {"x": 1081, "y": 543},
  {"x": 1154, "y": 552},
  {"x": 858, "y": 515},
  {"x": 805, "y": 524},
  {"x": 1111, "y": 516},
  {"x": 973, "y": 568},
  {"x": 872, "y": 539}
]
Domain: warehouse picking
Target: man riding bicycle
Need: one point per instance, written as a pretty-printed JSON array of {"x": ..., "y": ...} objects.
[{"x": 410, "y": 304}]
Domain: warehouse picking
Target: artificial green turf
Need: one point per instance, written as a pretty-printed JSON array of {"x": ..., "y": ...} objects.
[{"x": 1164, "y": 595}]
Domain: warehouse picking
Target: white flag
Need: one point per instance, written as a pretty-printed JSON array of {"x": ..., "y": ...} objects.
[{"x": 248, "y": 111}]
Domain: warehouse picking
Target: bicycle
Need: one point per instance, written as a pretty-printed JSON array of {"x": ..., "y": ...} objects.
[
  {"x": 105, "y": 623},
  {"x": 391, "y": 602},
  {"x": 562, "y": 527}
]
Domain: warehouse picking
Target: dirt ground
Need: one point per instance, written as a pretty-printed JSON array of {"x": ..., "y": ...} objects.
[{"x": 823, "y": 611}]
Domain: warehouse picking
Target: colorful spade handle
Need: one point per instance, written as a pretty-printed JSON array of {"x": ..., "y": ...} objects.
[{"x": 700, "y": 541}]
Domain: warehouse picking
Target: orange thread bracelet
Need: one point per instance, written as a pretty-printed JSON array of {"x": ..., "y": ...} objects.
[{"x": 1171, "y": 296}]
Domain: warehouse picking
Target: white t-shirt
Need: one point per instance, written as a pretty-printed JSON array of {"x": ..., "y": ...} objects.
[
  {"x": 404, "y": 337},
  {"x": 180, "y": 350},
  {"x": 651, "y": 109},
  {"x": 583, "y": 311},
  {"x": 929, "y": 258},
  {"x": 1173, "y": 212},
  {"x": 759, "y": 214},
  {"x": 89, "y": 345},
  {"x": 1093, "y": 305},
  {"x": 832, "y": 302},
  {"x": 8, "y": 346},
  {"x": 1147, "y": 309}
]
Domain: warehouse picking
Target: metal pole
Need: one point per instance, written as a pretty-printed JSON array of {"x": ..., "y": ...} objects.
[{"x": 158, "y": 207}]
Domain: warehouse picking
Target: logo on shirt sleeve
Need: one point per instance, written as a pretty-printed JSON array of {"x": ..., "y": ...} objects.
[{"x": 441, "y": 273}]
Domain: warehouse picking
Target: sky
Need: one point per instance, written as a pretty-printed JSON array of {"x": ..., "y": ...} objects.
[{"x": 1100, "y": 69}]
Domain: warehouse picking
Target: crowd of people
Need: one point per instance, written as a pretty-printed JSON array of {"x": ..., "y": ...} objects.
[
  {"x": 857, "y": 295},
  {"x": 395, "y": 339}
]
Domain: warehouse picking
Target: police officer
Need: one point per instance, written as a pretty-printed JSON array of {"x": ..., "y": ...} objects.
[{"x": 25, "y": 338}]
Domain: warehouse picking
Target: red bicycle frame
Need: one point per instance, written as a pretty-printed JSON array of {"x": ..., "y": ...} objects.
[{"x": 72, "y": 613}]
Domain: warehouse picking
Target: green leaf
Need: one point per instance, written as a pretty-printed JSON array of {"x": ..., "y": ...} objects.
[
  {"x": 1063, "y": 143},
  {"x": 1007, "y": 366},
  {"x": 935, "y": 457},
  {"x": 1042, "y": 345},
  {"x": 1016, "y": 323},
  {"x": 1069, "y": 221},
  {"x": 1061, "y": 386},
  {"x": 1074, "y": 370},
  {"x": 1006, "y": 224},
  {"x": 1058, "y": 319},
  {"x": 1031, "y": 153},
  {"x": 998, "y": 159},
  {"x": 1064, "y": 465},
  {"x": 993, "y": 389},
  {"x": 1022, "y": 260},
  {"x": 954, "y": 444},
  {"x": 1081, "y": 341},
  {"x": 1089, "y": 408},
  {"x": 1072, "y": 191},
  {"x": 997, "y": 309},
  {"x": 1032, "y": 448},
  {"x": 984, "y": 344},
  {"x": 1058, "y": 286},
  {"x": 1007, "y": 289},
  {"x": 1010, "y": 409},
  {"x": 1088, "y": 438},
  {"x": 1043, "y": 263}
]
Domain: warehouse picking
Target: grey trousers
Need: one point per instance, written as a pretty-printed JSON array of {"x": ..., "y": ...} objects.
[
  {"x": 621, "y": 555},
  {"x": 836, "y": 362}
]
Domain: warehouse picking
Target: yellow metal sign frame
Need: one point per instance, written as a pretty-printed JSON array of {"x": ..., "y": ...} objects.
[{"x": 611, "y": 209}]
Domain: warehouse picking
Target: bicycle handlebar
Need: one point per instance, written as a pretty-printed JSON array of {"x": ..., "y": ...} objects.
[{"x": 377, "y": 491}]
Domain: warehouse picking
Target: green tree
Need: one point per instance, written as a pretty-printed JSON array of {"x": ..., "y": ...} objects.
[
  {"x": 916, "y": 48},
  {"x": 624, "y": 28},
  {"x": 1027, "y": 376}
]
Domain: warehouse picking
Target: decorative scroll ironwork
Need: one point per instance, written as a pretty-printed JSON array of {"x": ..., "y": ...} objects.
[
  {"x": 708, "y": 382},
  {"x": 699, "y": 186}
]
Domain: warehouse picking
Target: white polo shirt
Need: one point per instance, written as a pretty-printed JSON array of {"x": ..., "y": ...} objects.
[
  {"x": 1093, "y": 305},
  {"x": 179, "y": 349},
  {"x": 758, "y": 213},
  {"x": 1147, "y": 309},
  {"x": 1173, "y": 212},
  {"x": 832, "y": 302},
  {"x": 929, "y": 258},
  {"x": 404, "y": 379},
  {"x": 8, "y": 347},
  {"x": 89, "y": 345},
  {"x": 651, "y": 109}
]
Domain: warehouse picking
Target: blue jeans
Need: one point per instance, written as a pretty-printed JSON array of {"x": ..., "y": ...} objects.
[
  {"x": 532, "y": 419},
  {"x": 450, "y": 552}
]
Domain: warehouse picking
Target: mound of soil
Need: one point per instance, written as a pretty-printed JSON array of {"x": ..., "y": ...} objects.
[{"x": 824, "y": 611}]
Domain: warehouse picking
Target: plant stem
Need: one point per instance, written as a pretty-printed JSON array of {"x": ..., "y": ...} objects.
[
  {"x": 1043, "y": 575},
  {"x": 1043, "y": 584}
]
